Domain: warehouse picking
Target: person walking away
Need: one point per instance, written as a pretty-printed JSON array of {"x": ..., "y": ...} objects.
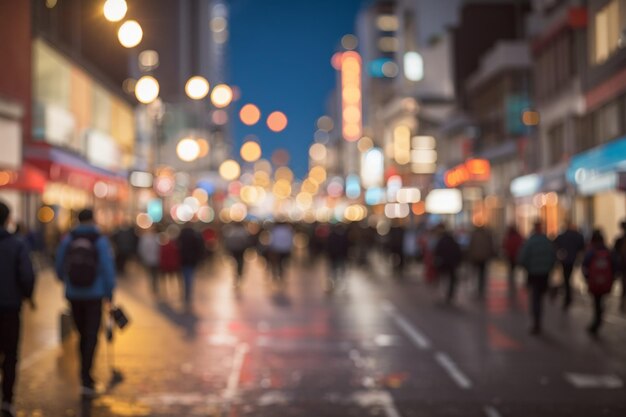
[
  {"x": 448, "y": 257},
  {"x": 85, "y": 264},
  {"x": 537, "y": 257},
  {"x": 17, "y": 282},
  {"x": 619, "y": 248},
  {"x": 569, "y": 245},
  {"x": 169, "y": 262},
  {"x": 337, "y": 248},
  {"x": 511, "y": 245},
  {"x": 599, "y": 267},
  {"x": 150, "y": 254},
  {"x": 236, "y": 241},
  {"x": 396, "y": 247},
  {"x": 191, "y": 247},
  {"x": 125, "y": 243},
  {"x": 281, "y": 243},
  {"x": 480, "y": 252}
]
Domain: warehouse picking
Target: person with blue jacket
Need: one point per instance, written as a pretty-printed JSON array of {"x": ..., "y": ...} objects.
[
  {"x": 17, "y": 282},
  {"x": 85, "y": 264},
  {"x": 537, "y": 257}
]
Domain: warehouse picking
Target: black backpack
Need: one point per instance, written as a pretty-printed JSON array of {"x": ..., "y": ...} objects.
[{"x": 81, "y": 259}]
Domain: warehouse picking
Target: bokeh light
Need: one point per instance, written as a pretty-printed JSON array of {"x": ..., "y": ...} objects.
[
  {"x": 230, "y": 170},
  {"x": 317, "y": 152},
  {"x": 250, "y": 114},
  {"x": 147, "y": 89},
  {"x": 277, "y": 121},
  {"x": 197, "y": 87},
  {"x": 204, "y": 146},
  {"x": 284, "y": 173},
  {"x": 280, "y": 157},
  {"x": 115, "y": 10},
  {"x": 45, "y": 214},
  {"x": 219, "y": 117},
  {"x": 148, "y": 60},
  {"x": 188, "y": 150},
  {"x": 325, "y": 123},
  {"x": 318, "y": 175},
  {"x": 250, "y": 151},
  {"x": 130, "y": 34},
  {"x": 221, "y": 96},
  {"x": 349, "y": 42},
  {"x": 144, "y": 221}
]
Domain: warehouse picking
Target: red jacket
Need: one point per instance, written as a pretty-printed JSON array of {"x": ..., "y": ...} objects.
[
  {"x": 170, "y": 257},
  {"x": 512, "y": 244}
]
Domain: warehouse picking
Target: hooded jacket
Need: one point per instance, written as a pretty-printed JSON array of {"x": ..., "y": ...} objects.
[
  {"x": 17, "y": 279},
  {"x": 104, "y": 284}
]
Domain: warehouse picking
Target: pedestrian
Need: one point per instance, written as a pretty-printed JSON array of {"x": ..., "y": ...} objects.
[
  {"x": 569, "y": 245},
  {"x": 599, "y": 268},
  {"x": 619, "y": 248},
  {"x": 337, "y": 248},
  {"x": 511, "y": 245},
  {"x": 447, "y": 258},
  {"x": 169, "y": 260},
  {"x": 150, "y": 255},
  {"x": 191, "y": 247},
  {"x": 480, "y": 252},
  {"x": 85, "y": 264},
  {"x": 396, "y": 247},
  {"x": 125, "y": 242},
  {"x": 537, "y": 257},
  {"x": 236, "y": 241},
  {"x": 281, "y": 243},
  {"x": 17, "y": 282}
]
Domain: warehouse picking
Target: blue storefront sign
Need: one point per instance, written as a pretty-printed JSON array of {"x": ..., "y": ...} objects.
[{"x": 596, "y": 170}]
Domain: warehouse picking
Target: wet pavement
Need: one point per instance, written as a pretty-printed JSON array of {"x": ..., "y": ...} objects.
[{"x": 376, "y": 346}]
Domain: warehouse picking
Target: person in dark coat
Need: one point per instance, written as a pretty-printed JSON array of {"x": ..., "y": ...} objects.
[
  {"x": 87, "y": 298},
  {"x": 448, "y": 257},
  {"x": 337, "y": 247},
  {"x": 511, "y": 246},
  {"x": 569, "y": 245},
  {"x": 480, "y": 251},
  {"x": 396, "y": 248},
  {"x": 537, "y": 257},
  {"x": 125, "y": 242},
  {"x": 619, "y": 248},
  {"x": 191, "y": 247},
  {"x": 17, "y": 282},
  {"x": 599, "y": 268}
]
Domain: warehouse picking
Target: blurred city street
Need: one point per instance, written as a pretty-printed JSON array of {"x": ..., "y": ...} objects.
[{"x": 376, "y": 346}]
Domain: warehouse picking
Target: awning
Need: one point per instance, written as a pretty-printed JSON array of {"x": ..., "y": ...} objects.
[
  {"x": 28, "y": 179},
  {"x": 62, "y": 166},
  {"x": 603, "y": 159}
]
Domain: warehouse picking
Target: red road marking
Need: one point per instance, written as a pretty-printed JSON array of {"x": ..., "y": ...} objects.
[{"x": 498, "y": 340}]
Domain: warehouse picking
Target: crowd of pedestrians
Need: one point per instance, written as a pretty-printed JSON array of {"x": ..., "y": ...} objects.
[{"x": 88, "y": 262}]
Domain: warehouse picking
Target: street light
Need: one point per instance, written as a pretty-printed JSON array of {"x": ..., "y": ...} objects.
[
  {"x": 197, "y": 87},
  {"x": 115, "y": 10},
  {"x": 221, "y": 96},
  {"x": 147, "y": 89},
  {"x": 130, "y": 34},
  {"x": 188, "y": 150}
]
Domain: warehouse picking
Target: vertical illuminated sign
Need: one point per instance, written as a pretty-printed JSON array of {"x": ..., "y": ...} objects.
[{"x": 351, "y": 109}]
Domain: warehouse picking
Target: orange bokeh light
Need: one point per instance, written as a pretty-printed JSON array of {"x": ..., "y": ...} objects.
[
  {"x": 249, "y": 114},
  {"x": 277, "y": 121},
  {"x": 473, "y": 170}
]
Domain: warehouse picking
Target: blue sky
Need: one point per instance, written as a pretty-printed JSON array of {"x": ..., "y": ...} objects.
[{"x": 280, "y": 54}]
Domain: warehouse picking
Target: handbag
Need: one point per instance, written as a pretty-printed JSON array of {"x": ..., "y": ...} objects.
[{"x": 119, "y": 317}]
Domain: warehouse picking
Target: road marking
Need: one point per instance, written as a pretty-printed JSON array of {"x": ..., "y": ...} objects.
[
  {"x": 585, "y": 381},
  {"x": 33, "y": 358},
  {"x": 416, "y": 336},
  {"x": 235, "y": 373},
  {"x": 491, "y": 411},
  {"x": 377, "y": 399},
  {"x": 453, "y": 370}
]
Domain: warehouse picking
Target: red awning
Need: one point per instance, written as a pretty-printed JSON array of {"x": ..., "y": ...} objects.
[{"x": 28, "y": 179}]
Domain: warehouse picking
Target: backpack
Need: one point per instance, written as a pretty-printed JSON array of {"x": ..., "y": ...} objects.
[
  {"x": 600, "y": 274},
  {"x": 81, "y": 259}
]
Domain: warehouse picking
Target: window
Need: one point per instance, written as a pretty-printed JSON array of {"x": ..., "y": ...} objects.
[
  {"x": 607, "y": 28},
  {"x": 606, "y": 122}
]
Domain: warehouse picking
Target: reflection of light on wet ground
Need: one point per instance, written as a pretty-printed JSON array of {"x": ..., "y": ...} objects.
[{"x": 123, "y": 408}]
